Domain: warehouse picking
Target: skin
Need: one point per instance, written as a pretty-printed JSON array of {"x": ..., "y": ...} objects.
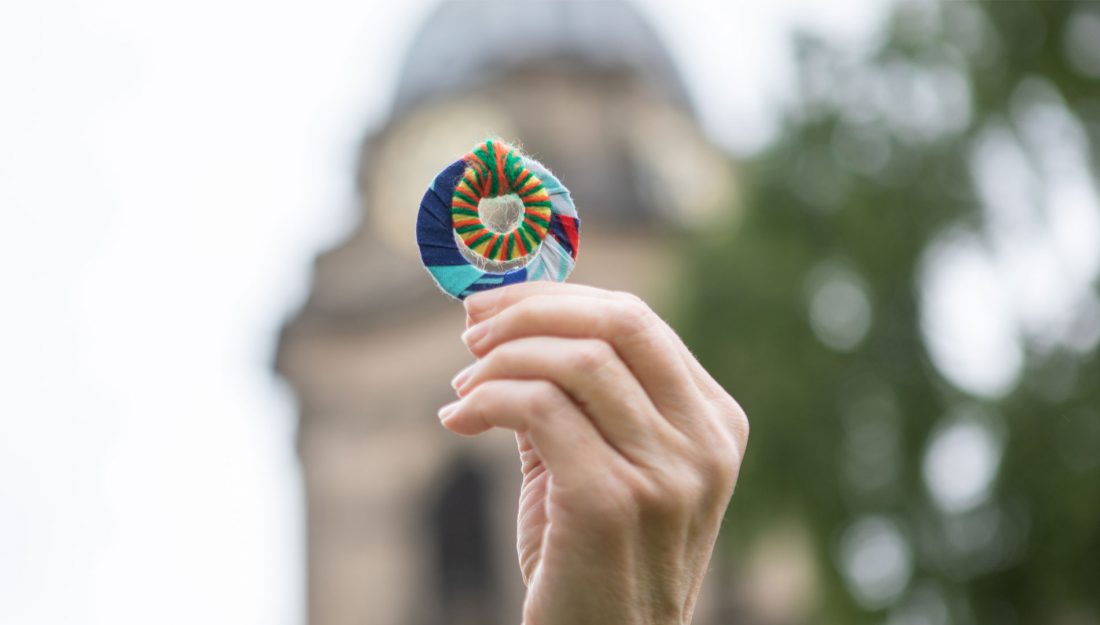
[{"x": 629, "y": 449}]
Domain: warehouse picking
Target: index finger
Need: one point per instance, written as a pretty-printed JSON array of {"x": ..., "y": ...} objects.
[
  {"x": 630, "y": 327},
  {"x": 486, "y": 304}
]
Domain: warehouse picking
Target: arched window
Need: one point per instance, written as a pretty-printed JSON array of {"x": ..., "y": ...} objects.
[{"x": 463, "y": 559}]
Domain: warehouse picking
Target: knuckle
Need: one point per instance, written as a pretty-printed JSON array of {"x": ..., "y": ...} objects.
[
  {"x": 589, "y": 356},
  {"x": 727, "y": 420},
  {"x": 719, "y": 467},
  {"x": 635, "y": 316},
  {"x": 480, "y": 395},
  {"x": 654, "y": 500},
  {"x": 544, "y": 398},
  {"x": 738, "y": 423},
  {"x": 741, "y": 427},
  {"x": 669, "y": 492},
  {"x": 628, "y": 296},
  {"x": 483, "y": 398},
  {"x": 501, "y": 357},
  {"x": 530, "y": 309}
]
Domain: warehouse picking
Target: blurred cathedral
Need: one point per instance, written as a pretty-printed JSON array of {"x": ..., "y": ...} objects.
[{"x": 407, "y": 523}]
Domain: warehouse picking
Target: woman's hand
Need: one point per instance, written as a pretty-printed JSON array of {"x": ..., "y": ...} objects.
[{"x": 630, "y": 450}]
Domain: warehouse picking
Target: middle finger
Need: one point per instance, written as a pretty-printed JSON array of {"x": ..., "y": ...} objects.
[{"x": 590, "y": 372}]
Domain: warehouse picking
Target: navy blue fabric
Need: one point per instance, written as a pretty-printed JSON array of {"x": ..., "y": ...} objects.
[
  {"x": 433, "y": 223},
  {"x": 558, "y": 231}
]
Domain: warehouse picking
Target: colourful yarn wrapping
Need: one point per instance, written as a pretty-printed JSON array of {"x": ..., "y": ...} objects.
[
  {"x": 465, "y": 243},
  {"x": 496, "y": 170}
]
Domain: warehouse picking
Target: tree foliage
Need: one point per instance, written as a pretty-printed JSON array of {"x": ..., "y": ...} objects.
[{"x": 810, "y": 309}]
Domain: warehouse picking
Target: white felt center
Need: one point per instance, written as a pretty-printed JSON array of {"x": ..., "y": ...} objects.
[{"x": 501, "y": 214}]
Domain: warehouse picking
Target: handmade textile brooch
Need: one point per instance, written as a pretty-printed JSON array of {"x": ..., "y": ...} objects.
[{"x": 496, "y": 217}]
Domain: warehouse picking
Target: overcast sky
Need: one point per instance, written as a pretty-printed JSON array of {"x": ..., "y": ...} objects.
[{"x": 167, "y": 171}]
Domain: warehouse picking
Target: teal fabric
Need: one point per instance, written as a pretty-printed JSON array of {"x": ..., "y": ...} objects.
[{"x": 455, "y": 278}]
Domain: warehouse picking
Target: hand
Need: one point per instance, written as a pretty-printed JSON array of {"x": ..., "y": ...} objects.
[{"x": 629, "y": 449}]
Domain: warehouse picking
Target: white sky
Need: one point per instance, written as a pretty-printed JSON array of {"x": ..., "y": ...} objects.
[{"x": 167, "y": 171}]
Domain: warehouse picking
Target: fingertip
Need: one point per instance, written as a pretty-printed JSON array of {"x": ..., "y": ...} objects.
[
  {"x": 475, "y": 336},
  {"x": 485, "y": 304},
  {"x": 464, "y": 425},
  {"x": 481, "y": 305},
  {"x": 448, "y": 411},
  {"x": 459, "y": 381},
  {"x": 456, "y": 418}
]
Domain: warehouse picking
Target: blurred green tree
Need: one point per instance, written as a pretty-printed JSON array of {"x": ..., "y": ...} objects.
[{"x": 928, "y": 498}]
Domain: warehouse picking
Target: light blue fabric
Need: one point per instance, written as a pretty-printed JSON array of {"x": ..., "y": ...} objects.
[{"x": 455, "y": 278}]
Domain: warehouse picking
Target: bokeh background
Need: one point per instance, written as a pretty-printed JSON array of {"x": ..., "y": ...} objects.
[{"x": 876, "y": 222}]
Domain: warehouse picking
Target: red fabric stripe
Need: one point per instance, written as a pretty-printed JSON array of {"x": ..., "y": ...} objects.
[{"x": 569, "y": 224}]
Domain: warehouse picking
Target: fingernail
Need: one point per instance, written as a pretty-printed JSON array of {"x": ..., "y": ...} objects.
[
  {"x": 475, "y": 334},
  {"x": 481, "y": 304},
  {"x": 462, "y": 376},
  {"x": 449, "y": 410}
]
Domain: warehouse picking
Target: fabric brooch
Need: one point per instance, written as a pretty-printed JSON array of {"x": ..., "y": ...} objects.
[{"x": 496, "y": 217}]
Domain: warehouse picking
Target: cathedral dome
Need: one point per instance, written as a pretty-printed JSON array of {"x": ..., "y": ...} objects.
[{"x": 465, "y": 44}]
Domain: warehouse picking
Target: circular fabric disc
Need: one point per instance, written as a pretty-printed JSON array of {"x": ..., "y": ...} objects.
[{"x": 496, "y": 217}]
